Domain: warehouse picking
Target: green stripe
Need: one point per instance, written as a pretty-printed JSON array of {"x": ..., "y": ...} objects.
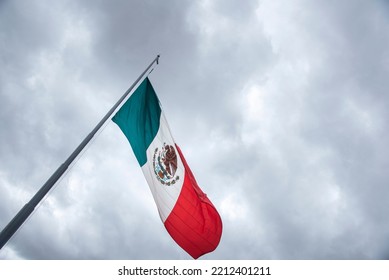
[{"x": 139, "y": 119}]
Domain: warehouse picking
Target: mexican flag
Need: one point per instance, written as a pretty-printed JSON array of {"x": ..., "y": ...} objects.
[{"x": 188, "y": 215}]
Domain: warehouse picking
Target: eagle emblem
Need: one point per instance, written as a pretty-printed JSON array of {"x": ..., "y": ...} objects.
[{"x": 165, "y": 164}]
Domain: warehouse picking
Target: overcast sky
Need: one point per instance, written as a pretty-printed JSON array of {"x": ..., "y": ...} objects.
[{"x": 280, "y": 108}]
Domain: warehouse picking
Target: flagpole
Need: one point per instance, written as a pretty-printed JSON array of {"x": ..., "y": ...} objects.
[{"x": 26, "y": 211}]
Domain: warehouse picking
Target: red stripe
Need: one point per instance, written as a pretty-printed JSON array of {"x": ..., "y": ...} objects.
[{"x": 194, "y": 223}]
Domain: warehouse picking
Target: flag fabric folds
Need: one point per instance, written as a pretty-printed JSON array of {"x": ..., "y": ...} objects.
[{"x": 188, "y": 215}]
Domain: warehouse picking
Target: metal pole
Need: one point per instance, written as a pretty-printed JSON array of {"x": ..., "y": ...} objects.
[{"x": 26, "y": 211}]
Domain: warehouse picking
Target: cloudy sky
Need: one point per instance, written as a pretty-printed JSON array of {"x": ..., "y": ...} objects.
[{"x": 280, "y": 107}]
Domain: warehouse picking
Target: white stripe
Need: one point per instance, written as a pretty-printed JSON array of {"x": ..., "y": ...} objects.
[{"x": 165, "y": 196}]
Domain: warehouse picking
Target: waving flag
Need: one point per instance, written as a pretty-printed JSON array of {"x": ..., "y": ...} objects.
[{"x": 188, "y": 215}]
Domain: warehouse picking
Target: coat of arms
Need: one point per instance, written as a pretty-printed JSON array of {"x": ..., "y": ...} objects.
[{"x": 165, "y": 164}]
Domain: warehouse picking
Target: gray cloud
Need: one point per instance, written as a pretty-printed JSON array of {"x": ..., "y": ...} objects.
[{"x": 279, "y": 107}]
